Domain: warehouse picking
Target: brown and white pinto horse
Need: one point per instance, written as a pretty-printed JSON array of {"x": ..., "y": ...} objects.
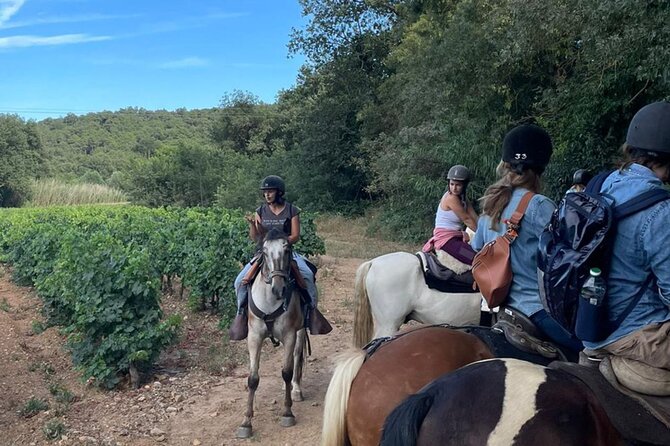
[
  {"x": 501, "y": 402},
  {"x": 363, "y": 392}
]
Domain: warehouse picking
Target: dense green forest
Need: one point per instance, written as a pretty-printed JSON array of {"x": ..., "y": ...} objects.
[{"x": 393, "y": 93}]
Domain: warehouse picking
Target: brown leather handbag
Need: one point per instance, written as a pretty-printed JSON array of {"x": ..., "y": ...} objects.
[{"x": 491, "y": 266}]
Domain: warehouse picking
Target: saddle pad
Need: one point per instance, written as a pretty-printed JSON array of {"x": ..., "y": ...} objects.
[
  {"x": 441, "y": 278},
  {"x": 632, "y": 419},
  {"x": 496, "y": 342}
]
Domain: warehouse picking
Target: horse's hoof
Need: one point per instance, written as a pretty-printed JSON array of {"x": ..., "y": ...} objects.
[
  {"x": 297, "y": 396},
  {"x": 287, "y": 421},
  {"x": 244, "y": 432}
]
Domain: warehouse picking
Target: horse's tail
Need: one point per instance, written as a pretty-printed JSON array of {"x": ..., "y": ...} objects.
[
  {"x": 334, "y": 430},
  {"x": 363, "y": 313},
  {"x": 402, "y": 425}
]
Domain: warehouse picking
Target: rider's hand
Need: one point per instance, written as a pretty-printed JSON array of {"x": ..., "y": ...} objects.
[{"x": 251, "y": 218}]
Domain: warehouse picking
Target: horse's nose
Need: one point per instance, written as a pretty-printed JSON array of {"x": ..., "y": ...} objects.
[{"x": 278, "y": 287}]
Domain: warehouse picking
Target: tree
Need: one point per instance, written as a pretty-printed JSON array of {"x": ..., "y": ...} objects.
[
  {"x": 247, "y": 125},
  {"x": 21, "y": 156},
  {"x": 183, "y": 175}
]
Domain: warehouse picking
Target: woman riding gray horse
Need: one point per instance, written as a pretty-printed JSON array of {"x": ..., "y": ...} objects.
[{"x": 278, "y": 213}]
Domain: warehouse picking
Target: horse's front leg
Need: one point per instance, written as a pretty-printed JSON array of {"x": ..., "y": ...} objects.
[
  {"x": 298, "y": 362},
  {"x": 287, "y": 418},
  {"x": 254, "y": 342}
]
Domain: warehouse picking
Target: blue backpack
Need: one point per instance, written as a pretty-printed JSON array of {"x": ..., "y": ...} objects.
[{"x": 579, "y": 237}]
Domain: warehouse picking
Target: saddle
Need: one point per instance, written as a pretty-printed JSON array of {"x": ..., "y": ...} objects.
[
  {"x": 442, "y": 278},
  {"x": 640, "y": 419},
  {"x": 495, "y": 340}
]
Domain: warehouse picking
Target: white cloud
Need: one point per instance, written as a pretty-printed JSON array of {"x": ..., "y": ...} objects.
[
  {"x": 64, "y": 19},
  {"x": 186, "y": 62},
  {"x": 8, "y": 8},
  {"x": 64, "y": 39}
]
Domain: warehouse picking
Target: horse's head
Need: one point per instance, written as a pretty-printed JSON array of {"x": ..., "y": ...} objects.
[{"x": 277, "y": 256}]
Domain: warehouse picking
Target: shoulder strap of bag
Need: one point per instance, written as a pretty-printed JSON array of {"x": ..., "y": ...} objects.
[
  {"x": 513, "y": 223},
  {"x": 643, "y": 201},
  {"x": 596, "y": 184},
  {"x": 521, "y": 209},
  {"x": 633, "y": 205}
]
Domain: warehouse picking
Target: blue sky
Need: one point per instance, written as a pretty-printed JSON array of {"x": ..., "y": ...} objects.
[{"x": 80, "y": 56}]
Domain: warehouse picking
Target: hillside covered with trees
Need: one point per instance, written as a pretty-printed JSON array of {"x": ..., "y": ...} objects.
[{"x": 394, "y": 92}]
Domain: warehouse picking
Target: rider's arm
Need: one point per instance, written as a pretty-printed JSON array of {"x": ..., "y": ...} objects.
[
  {"x": 295, "y": 230},
  {"x": 655, "y": 250},
  {"x": 452, "y": 202}
]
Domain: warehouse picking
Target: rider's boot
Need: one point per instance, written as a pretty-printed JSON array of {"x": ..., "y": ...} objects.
[
  {"x": 317, "y": 323},
  {"x": 240, "y": 327}
]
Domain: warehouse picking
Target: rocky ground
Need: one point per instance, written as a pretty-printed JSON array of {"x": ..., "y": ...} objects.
[{"x": 196, "y": 396}]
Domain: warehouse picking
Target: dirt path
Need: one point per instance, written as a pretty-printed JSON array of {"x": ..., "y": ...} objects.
[{"x": 197, "y": 396}]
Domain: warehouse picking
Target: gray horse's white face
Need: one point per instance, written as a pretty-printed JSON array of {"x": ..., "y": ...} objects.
[{"x": 277, "y": 264}]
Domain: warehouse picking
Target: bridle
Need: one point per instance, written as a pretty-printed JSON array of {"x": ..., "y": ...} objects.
[
  {"x": 267, "y": 278},
  {"x": 284, "y": 273}
]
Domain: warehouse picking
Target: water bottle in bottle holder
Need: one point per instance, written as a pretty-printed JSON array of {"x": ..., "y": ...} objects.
[{"x": 592, "y": 323}]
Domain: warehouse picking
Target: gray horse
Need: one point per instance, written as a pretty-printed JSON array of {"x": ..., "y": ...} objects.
[{"x": 275, "y": 312}]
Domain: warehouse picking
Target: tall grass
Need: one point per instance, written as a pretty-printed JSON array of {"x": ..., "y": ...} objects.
[
  {"x": 56, "y": 193},
  {"x": 352, "y": 237}
]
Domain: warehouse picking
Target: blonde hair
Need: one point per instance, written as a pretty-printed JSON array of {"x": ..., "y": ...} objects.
[{"x": 498, "y": 195}]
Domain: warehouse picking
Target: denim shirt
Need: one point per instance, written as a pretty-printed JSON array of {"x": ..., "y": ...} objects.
[
  {"x": 640, "y": 249},
  {"x": 524, "y": 293}
]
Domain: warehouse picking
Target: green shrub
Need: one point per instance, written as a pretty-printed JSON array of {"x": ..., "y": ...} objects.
[
  {"x": 33, "y": 407},
  {"x": 61, "y": 394},
  {"x": 37, "y": 327},
  {"x": 54, "y": 429}
]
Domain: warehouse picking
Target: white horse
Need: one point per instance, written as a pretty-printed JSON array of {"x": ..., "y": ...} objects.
[
  {"x": 275, "y": 312},
  {"x": 391, "y": 289}
]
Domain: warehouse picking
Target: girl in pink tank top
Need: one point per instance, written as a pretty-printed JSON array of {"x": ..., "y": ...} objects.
[{"x": 454, "y": 213}]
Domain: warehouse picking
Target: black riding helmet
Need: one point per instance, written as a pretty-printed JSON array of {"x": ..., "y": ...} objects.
[
  {"x": 527, "y": 146},
  {"x": 581, "y": 176},
  {"x": 649, "y": 129},
  {"x": 459, "y": 173},
  {"x": 273, "y": 182}
]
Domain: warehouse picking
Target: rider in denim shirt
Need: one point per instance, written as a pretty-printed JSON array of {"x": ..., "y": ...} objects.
[
  {"x": 523, "y": 293},
  {"x": 640, "y": 249},
  {"x": 526, "y": 152}
]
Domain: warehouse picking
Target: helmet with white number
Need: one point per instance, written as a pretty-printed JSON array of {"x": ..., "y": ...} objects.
[{"x": 527, "y": 146}]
